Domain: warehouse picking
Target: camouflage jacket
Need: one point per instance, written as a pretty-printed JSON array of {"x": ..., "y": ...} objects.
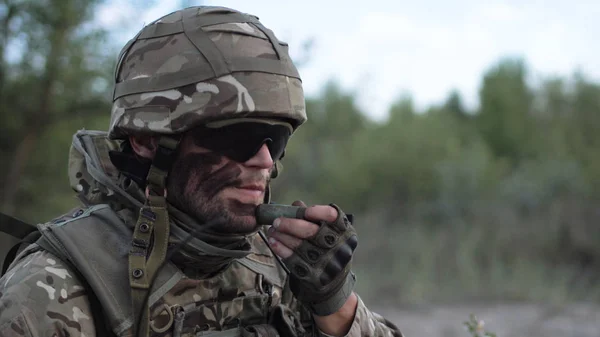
[{"x": 40, "y": 295}]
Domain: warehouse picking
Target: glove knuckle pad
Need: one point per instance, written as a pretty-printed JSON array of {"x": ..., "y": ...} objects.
[
  {"x": 326, "y": 237},
  {"x": 331, "y": 271},
  {"x": 352, "y": 242},
  {"x": 309, "y": 252},
  {"x": 300, "y": 270},
  {"x": 343, "y": 255}
]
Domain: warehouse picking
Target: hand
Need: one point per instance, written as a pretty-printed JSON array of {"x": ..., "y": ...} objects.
[{"x": 318, "y": 252}]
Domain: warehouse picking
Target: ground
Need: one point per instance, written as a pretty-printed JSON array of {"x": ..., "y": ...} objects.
[{"x": 506, "y": 320}]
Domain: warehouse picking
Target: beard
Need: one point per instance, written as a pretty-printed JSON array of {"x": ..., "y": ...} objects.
[{"x": 195, "y": 185}]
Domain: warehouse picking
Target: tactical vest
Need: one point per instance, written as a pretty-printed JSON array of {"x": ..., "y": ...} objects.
[{"x": 249, "y": 298}]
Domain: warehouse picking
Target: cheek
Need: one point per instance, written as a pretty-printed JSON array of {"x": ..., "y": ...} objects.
[
  {"x": 200, "y": 163},
  {"x": 199, "y": 176},
  {"x": 190, "y": 181},
  {"x": 192, "y": 168}
]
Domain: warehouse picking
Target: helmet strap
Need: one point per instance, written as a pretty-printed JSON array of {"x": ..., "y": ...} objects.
[
  {"x": 151, "y": 230},
  {"x": 267, "y": 198},
  {"x": 274, "y": 174}
]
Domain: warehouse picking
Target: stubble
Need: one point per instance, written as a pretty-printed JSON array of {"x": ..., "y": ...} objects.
[{"x": 194, "y": 187}]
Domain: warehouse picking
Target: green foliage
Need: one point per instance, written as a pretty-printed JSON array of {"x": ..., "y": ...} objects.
[
  {"x": 503, "y": 119},
  {"x": 475, "y": 327},
  {"x": 55, "y": 72},
  {"x": 496, "y": 203}
]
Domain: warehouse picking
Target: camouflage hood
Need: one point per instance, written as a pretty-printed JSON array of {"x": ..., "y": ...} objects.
[
  {"x": 93, "y": 176},
  {"x": 97, "y": 181}
]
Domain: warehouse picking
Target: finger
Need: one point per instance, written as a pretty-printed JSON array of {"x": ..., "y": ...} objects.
[
  {"x": 296, "y": 227},
  {"x": 321, "y": 213},
  {"x": 289, "y": 241},
  {"x": 279, "y": 248},
  {"x": 299, "y": 203}
]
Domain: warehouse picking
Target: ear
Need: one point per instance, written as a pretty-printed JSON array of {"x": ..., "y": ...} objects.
[{"x": 144, "y": 146}]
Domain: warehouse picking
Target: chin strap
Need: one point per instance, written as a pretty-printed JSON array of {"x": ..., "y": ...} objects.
[
  {"x": 151, "y": 233},
  {"x": 277, "y": 168}
]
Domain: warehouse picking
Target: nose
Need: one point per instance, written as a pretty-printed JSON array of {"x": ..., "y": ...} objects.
[{"x": 261, "y": 159}]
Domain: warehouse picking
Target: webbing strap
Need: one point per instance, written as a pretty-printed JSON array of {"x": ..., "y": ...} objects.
[
  {"x": 241, "y": 64},
  {"x": 15, "y": 227},
  {"x": 272, "y": 39},
  {"x": 120, "y": 61},
  {"x": 121, "y": 57},
  {"x": 204, "y": 45},
  {"x": 161, "y": 164},
  {"x": 210, "y": 19},
  {"x": 138, "y": 276},
  {"x": 192, "y": 75},
  {"x": 162, "y": 81},
  {"x": 161, "y": 29},
  {"x": 218, "y": 65},
  {"x": 152, "y": 224},
  {"x": 10, "y": 257}
]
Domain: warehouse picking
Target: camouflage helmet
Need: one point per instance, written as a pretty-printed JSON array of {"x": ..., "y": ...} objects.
[{"x": 199, "y": 65}]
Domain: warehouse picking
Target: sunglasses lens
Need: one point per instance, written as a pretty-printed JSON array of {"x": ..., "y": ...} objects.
[{"x": 242, "y": 141}]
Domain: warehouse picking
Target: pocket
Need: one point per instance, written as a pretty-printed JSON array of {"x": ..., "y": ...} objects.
[
  {"x": 262, "y": 330},
  {"x": 212, "y": 316}
]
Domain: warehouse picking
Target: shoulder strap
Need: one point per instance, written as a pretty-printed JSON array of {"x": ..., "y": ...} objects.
[
  {"x": 16, "y": 249},
  {"x": 15, "y": 227},
  {"x": 95, "y": 306},
  {"x": 26, "y": 233}
]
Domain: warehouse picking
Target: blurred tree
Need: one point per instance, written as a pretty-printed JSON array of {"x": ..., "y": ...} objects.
[
  {"x": 504, "y": 116},
  {"x": 323, "y": 148},
  {"x": 55, "y": 67},
  {"x": 454, "y": 105},
  {"x": 583, "y": 134}
]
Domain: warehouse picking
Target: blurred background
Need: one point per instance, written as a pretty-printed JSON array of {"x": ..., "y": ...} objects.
[{"x": 463, "y": 135}]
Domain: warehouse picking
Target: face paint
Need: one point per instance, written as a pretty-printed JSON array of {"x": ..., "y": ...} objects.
[{"x": 197, "y": 181}]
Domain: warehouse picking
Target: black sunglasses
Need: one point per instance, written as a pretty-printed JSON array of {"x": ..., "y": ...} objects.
[{"x": 242, "y": 141}]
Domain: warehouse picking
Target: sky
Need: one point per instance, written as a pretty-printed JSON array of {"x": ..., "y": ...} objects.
[{"x": 382, "y": 50}]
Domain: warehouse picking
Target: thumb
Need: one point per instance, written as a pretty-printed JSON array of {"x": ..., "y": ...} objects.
[{"x": 299, "y": 203}]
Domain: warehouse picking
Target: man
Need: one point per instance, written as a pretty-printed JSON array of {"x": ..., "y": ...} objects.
[{"x": 168, "y": 242}]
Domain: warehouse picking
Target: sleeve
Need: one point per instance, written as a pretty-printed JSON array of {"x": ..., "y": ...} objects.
[
  {"x": 369, "y": 323},
  {"x": 40, "y": 297}
]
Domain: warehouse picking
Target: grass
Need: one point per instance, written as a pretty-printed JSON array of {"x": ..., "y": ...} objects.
[
  {"x": 474, "y": 258},
  {"x": 475, "y": 327}
]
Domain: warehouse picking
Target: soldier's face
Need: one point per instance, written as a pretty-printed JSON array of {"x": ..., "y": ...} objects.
[{"x": 206, "y": 185}]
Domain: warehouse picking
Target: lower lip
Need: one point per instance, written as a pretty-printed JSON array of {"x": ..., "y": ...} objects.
[{"x": 250, "y": 192}]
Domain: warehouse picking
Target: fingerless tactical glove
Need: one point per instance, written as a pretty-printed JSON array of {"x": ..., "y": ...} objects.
[{"x": 320, "y": 274}]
